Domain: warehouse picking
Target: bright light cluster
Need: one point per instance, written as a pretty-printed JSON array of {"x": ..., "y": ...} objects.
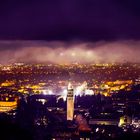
[{"x": 48, "y": 92}]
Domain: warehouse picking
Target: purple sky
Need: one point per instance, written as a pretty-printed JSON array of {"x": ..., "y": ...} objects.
[{"x": 67, "y": 20}]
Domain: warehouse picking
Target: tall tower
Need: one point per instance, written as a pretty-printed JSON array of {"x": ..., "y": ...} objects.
[{"x": 70, "y": 103}]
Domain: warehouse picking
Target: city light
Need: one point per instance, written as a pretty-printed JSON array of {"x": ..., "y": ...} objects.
[
  {"x": 48, "y": 92},
  {"x": 84, "y": 94}
]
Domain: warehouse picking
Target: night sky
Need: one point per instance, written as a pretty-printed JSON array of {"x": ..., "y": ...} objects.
[{"x": 66, "y": 20}]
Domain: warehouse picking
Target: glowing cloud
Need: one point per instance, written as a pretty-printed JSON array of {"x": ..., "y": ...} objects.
[{"x": 69, "y": 52}]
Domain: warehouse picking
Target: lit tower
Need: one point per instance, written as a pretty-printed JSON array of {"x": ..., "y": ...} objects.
[{"x": 70, "y": 103}]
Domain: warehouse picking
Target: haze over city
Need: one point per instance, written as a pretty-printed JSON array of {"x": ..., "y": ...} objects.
[{"x": 60, "y": 52}]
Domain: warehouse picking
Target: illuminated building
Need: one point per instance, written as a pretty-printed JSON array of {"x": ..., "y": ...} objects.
[
  {"x": 8, "y": 102},
  {"x": 70, "y": 103},
  {"x": 7, "y": 106},
  {"x": 124, "y": 120}
]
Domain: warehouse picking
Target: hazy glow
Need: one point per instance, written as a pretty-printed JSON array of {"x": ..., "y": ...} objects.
[
  {"x": 50, "y": 92},
  {"x": 80, "y": 89},
  {"x": 44, "y": 92},
  {"x": 47, "y": 92},
  {"x": 63, "y": 95},
  {"x": 69, "y": 52},
  {"x": 69, "y": 86},
  {"x": 89, "y": 92}
]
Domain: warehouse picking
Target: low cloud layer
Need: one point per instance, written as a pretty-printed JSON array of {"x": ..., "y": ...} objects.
[{"x": 69, "y": 52}]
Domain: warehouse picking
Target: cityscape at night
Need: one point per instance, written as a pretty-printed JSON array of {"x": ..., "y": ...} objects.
[
  {"x": 70, "y": 70},
  {"x": 71, "y": 101}
]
